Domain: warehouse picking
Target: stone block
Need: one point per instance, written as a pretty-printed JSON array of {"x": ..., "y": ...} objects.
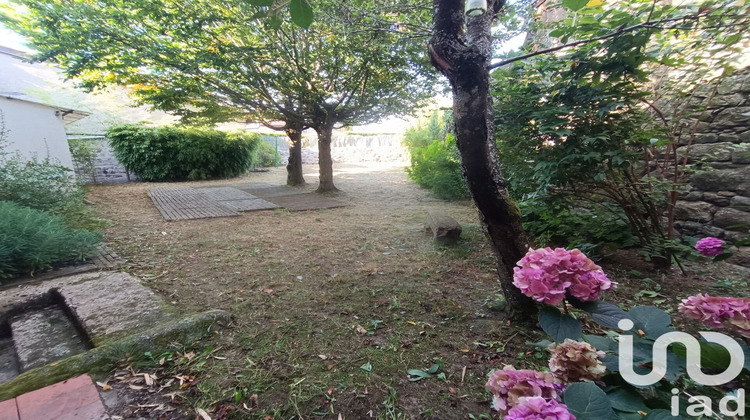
[
  {"x": 729, "y": 138},
  {"x": 692, "y": 196},
  {"x": 704, "y": 138},
  {"x": 741, "y": 257},
  {"x": 698, "y": 211},
  {"x": 740, "y": 203},
  {"x": 445, "y": 229},
  {"x": 729, "y": 99},
  {"x": 716, "y": 199},
  {"x": 745, "y": 137},
  {"x": 741, "y": 155},
  {"x": 732, "y": 219},
  {"x": 723, "y": 180},
  {"x": 732, "y": 117},
  {"x": 734, "y": 237},
  {"x": 714, "y": 152}
]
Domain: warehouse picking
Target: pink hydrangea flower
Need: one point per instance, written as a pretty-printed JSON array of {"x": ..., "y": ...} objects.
[
  {"x": 537, "y": 408},
  {"x": 719, "y": 312},
  {"x": 710, "y": 247},
  {"x": 508, "y": 385},
  {"x": 546, "y": 275}
]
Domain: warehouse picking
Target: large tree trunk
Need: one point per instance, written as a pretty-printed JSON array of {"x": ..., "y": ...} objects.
[
  {"x": 294, "y": 167},
  {"x": 464, "y": 60},
  {"x": 325, "y": 162}
]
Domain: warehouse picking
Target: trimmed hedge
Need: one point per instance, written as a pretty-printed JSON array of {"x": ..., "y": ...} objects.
[
  {"x": 175, "y": 154},
  {"x": 32, "y": 240}
]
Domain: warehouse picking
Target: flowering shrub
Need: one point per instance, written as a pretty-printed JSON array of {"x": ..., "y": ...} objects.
[
  {"x": 574, "y": 361},
  {"x": 719, "y": 312},
  {"x": 546, "y": 275},
  {"x": 584, "y": 382},
  {"x": 509, "y": 385},
  {"x": 532, "y": 408},
  {"x": 710, "y": 247}
]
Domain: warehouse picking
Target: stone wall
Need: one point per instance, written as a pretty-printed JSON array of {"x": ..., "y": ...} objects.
[
  {"x": 359, "y": 148},
  {"x": 718, "y": 201}
]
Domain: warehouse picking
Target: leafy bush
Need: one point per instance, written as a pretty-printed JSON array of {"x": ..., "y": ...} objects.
[
  {"x": 438, "y": 168},
  {"x": 31, "y": 240},
  {"x": 558, "y": 224},
  {"x": 422, "y": 135},
  {"x": 45, "y": 185},
  {"x": 265, "y": 155},
  {"x": 170, "y": 153},
  {"x": 602, "y": 376},
  {"x": 434, "y": 158}
]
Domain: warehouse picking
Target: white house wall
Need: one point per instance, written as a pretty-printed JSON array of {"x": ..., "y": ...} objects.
[{"x": 34, "y": 130}]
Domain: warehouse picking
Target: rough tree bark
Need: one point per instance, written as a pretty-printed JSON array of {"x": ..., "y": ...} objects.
[
  {"x": 461, "y": 49},
  {"x": 325, "y": 162},
  {"x": 294, "y": 167}
]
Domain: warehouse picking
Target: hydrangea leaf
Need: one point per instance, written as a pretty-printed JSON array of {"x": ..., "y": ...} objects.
[
  {"x": 559, "y": 326},
  {"x": 586, "y": 401}
]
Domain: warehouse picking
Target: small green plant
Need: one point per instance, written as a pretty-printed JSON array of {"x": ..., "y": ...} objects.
[
  {"x": 559, "y": 224},
  {"x": 84, "y": 157},
  {"x": 171, "y": 153},
  {"x": 265, "y": 155},
  {"x": 31, "y": 240}
]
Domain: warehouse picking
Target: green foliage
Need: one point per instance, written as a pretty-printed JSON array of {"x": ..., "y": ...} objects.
[
  {"x": 435, "y": 162},
  {"x": 170, "y": 153},
  {"x": 32, "y": 240},
  {"x": 84, "y": 156},
  {"x": 45, "y": 185},
  {"x": 218, "y": 61},
  {"x": 557, "y": 223},
  {"x": 589, "y": 401},
  {"x": 423, "y": 134},
  {"x": 265, "y": 155},
  {"x": 438, "y": 168},
  {"x": 604, "y": 119}
]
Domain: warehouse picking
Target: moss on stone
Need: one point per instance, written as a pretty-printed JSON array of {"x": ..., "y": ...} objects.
[{"x": 102, "y": 359}]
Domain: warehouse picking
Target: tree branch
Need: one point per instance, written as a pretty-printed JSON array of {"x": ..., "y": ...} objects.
[{"x": 617, "y": 32}]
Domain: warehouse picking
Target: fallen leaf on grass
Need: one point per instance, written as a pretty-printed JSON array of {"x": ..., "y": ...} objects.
[
  {"x": 135, "y": 387},
  {"x": 201, "y": 412},
  {"x": 360, "y": 329}
]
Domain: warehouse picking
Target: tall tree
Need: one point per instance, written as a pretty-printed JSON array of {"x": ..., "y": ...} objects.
[
  {"x": 213, "y": 61},
  {"x": 461, "y": 48}
]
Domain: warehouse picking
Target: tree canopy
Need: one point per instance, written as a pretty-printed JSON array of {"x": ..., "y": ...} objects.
[{"x": 217, "y": 61}]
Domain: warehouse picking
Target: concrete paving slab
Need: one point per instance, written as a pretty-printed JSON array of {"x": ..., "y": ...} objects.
[
  {"x": 73, "y": 399},
  {"x": 8, "y": 410},
  {"x": 307, "y": 201},
  {"x": 267, "y": 191}
]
